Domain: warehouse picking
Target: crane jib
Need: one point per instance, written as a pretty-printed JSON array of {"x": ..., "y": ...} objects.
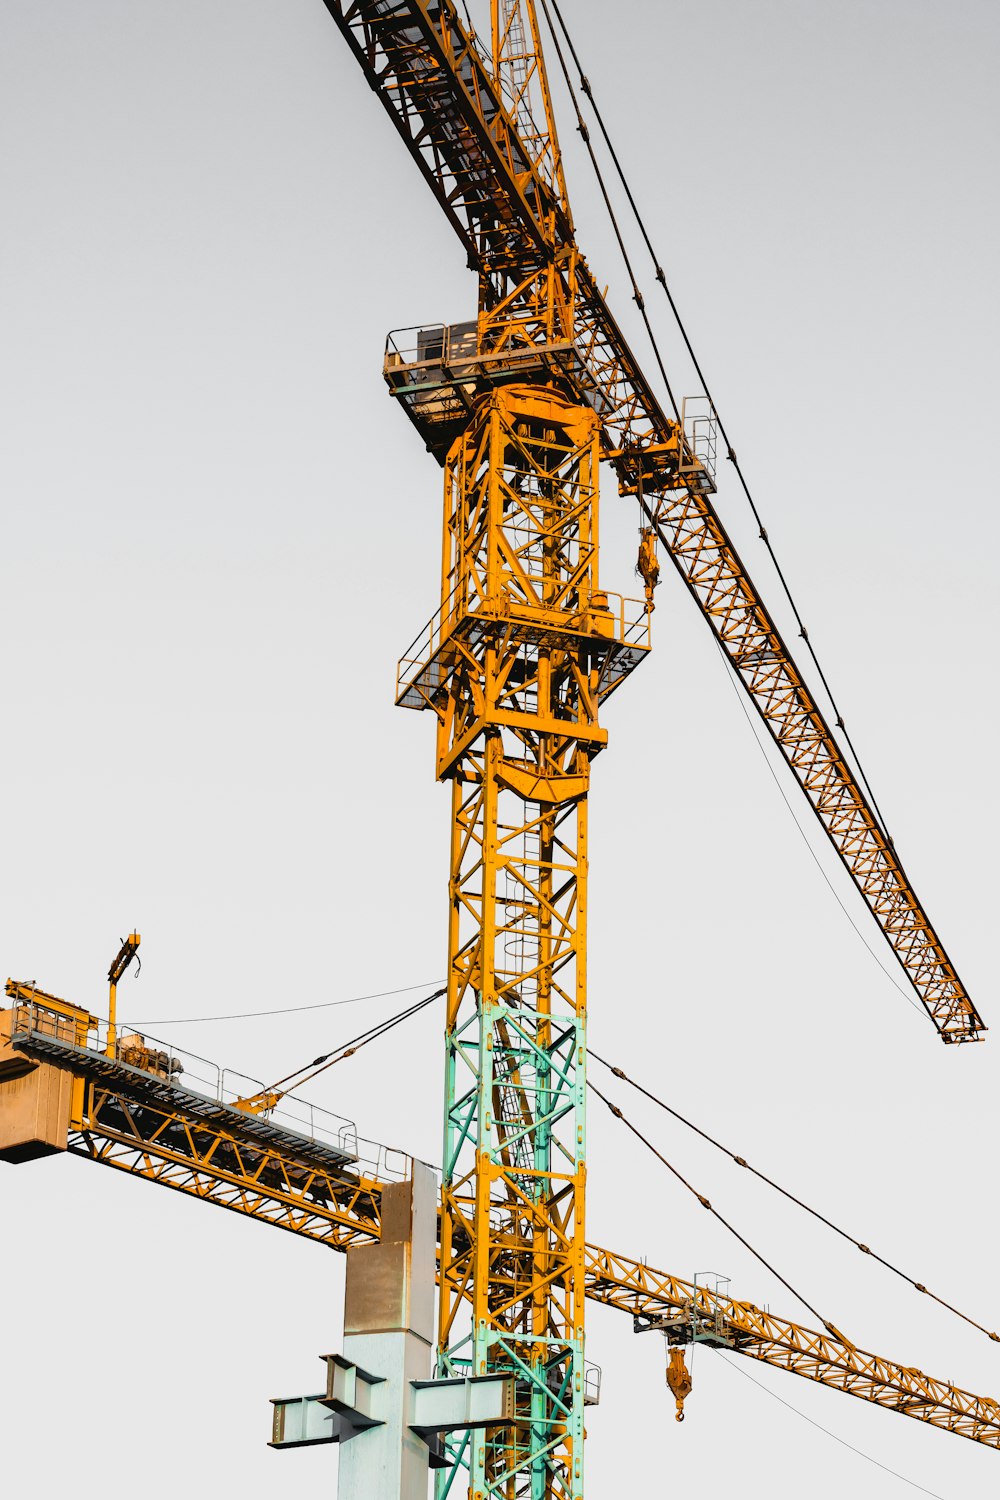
[
  {"x": 524, "y": 406},
  {"x": 436, "y": 84}
]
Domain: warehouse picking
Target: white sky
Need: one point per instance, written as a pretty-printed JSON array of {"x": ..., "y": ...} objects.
[{"x": 217, "y": 537}]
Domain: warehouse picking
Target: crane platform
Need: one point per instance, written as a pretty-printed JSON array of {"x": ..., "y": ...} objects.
[
  {"x": 438, "y": 373},
  {"x": 614, "y": 633},
  {"x": 326, "y": 1145}
]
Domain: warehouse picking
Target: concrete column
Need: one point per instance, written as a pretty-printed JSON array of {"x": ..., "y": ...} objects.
[{"x": 389, "y": 1331}]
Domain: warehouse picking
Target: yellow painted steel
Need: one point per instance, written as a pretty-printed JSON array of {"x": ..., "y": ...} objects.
[
  {"x": 525, "y": 646},
  {"x": 127, "y": 1111},
  {"x": 460, "y": 110},
  {"x": 528, "y": 646},
  {"x": 515, "y": 664},
  {"x": 64, "y": 1023},
  {"x": 686, "y": 1311},
  {"x": 276, "y": 1182}
]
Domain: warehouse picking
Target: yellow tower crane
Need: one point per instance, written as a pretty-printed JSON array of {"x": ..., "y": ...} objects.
[{"x": 520, "y": 405}]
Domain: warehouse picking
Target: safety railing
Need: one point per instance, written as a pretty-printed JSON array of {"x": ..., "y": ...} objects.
[
  {"x": 423, "y": 669},
  {"x": 591, "y": 1384},
  {"x": 633, "y": 621},
  {"x": 421, "y": 356},
  {"x": 416, "y": 681},
  {"x": 701, "y": 432},
  {"x": 708, "y": 1319},
  {"x": 423, "y": 364},
  {"x": 192, "y": 1075}
]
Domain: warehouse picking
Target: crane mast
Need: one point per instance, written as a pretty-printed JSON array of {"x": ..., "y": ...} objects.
[
  {"x": 519, "y": 406},
  {"x": 529, "y": 635},
  {"x": 515, "y": 665}
]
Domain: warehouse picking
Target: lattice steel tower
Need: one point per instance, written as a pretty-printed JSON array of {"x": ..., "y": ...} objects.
[{"x": 515, "y": 664}]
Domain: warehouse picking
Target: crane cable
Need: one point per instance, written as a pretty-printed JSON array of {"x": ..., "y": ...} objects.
[
  {"x": 282, "y": 1010},
  {"x": 706, "y": 1203},
  {"x": 587, "y": 89},
  {"x": 637, "y": 296},
  {"x": 348, "y": 1049},
  {"x": 825, "y": 1430},
  {"x": 741, "y": 1162}
]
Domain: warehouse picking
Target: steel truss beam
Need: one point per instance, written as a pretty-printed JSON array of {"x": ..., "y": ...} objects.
[
  {"x": 272, "y": 1183},
  {"x": 149, "y": 1128},
  {"x": 337, "y": 1212},
  {"x": 517, "y": 701},
  {"x": 709, "y": 566},
  {"x": 654, "y": 1296},
  {"x": 437, "y": 87}
]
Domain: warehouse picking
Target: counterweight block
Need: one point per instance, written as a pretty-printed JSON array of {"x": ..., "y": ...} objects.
[{"x": 38, "y": 1100}]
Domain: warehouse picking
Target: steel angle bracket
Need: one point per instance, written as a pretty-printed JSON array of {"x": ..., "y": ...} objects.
[{"x": 344, "y": 1410}]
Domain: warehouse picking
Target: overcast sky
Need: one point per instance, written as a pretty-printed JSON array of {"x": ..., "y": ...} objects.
[{"x": 218, "y": 535}]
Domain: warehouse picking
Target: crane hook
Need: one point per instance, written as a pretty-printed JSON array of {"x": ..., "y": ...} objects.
[
  {"x": 648, "y": 564},
  {"x": 679, "y": 1381}
]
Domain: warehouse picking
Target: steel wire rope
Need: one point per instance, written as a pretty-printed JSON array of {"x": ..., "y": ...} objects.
[
  {"x": 792, "y": 1198},
  {"x": 819, "y": 1426},
  {"x": 348, "y": 1049},
  {"x": 730, "y": 453},
  {"x": 706, "y": 1203},
  {"x": 285, "y": 1010},
  {"x": 660, "y": 277}
]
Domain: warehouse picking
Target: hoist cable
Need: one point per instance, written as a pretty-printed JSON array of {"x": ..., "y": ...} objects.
[
  {"x": 820, "y": 1428},
  {"x": 660, "y": 276},
  {"x": 741, "y": 1162},
  {"x": 706, "y": 1204},
  {"x": 348, "y": 1049}
]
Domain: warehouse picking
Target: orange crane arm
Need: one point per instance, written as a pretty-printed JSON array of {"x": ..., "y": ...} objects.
[
  {"x": 506, "y": 202},
  {"x": 329, "y": 1189},
  {"x": 697, "y": 542},
  {"x": 511, "y": 216},
  {"x": 686, "y": 1313}
]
